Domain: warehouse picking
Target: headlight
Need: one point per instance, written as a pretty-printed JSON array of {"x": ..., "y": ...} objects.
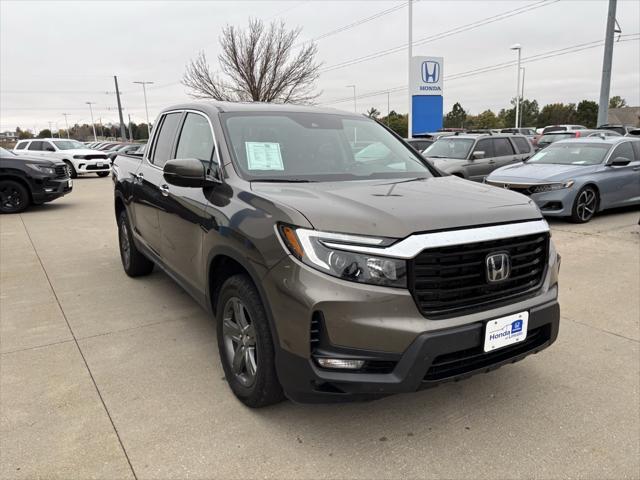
[
  {"x": 549, "y": 187},
  {"x": 42, "y": 169},
  {"x": 310, "y": 247},
  {"x": 78, "y": 157}
]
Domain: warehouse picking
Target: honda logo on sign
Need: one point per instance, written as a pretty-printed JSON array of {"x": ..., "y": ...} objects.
[
  {"x": 498, "y": 267},
  {"x": 430, "y": 71}
]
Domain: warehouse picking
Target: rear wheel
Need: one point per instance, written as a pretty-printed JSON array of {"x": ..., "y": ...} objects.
[
  {"x": 71, "y": 169},
  {"x": 585, "y": 205},
  {"x": 135, "y": 264},
  {"x": 245, "y": 344},
  {"x": 103, "y": 174},
  {"x": 14, "y": 197}
]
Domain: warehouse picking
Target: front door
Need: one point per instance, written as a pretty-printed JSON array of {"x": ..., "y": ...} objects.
[
  {"x": 479, "y": 168},
  {"x": 184, "y": 222},
  {"x": 621, "y": 184},
  {"x": 148, "y": 198}
]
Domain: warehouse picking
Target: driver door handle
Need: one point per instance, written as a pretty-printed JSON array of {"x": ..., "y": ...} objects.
[{"x": 164, "y": 189}]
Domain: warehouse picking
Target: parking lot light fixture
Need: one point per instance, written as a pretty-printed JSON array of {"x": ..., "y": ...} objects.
[
  {"x": 146, "y": 109},
  {"x": 517, "y": 47}
]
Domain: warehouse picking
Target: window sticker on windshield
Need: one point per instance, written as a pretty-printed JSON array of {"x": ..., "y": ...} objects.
[{"x": 264, "y": 156}]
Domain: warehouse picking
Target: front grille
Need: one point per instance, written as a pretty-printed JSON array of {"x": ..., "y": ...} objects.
[
  {"x": 61, "y": 171},
  {"x": 453, "y": 279},
  {"x": 465, "y": 361},
  {"x": 96, "y": 157},
  {"x": 95, "y": 167}
]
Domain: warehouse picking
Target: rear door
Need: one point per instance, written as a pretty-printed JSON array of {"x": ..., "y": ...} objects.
[
  {"x": 479, "y": 168},
  {"x": 183, "y": 222},
  {"x": 523, "y": 147},
  {"x": 148, "y": 200},
  {"x": 504, "y": 152},
  {"x": 35, "y": 148},
  {"x": 621, "y": 185}
]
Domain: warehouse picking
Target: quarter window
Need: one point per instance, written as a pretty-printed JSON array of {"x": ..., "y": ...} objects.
[
  {"x": 196, "y": 140},
  {"x": 36, "y": 146},
  {"x": 21, "y": 146},
  {"x": 164, "y": 141},
  {"x": 502, "y": 147}
]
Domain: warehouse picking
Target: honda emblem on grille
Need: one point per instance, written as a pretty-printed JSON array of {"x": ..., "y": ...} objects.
[{"x": 498, "y": 267}]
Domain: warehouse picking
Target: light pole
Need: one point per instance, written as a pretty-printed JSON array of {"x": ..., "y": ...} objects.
[
  {"x": 355, "y": 105},
  {"x": 144, "y": 91},
  {"x": 517, "y": 47},
  {"x": 50, "y": 130},
  {"x": 66, "y": 121},
  {"x": 388, "y": 106},
  {"x": 522, "y": 96},
  {"x": 93, "y": 125},
  {"x": 605, "y": 82}
]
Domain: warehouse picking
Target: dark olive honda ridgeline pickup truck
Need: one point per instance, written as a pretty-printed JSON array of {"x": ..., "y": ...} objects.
[{"x": 338, "y": 262}]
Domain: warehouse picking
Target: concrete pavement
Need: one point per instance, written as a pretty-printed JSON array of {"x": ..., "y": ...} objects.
[{"x": 103, "y": 376}]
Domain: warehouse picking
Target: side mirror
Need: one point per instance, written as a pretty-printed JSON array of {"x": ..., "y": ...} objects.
[
  {"x": 619, "y": 162},
  {"x": 186, "y": 172},
  {"x": 477, "y": 155}
]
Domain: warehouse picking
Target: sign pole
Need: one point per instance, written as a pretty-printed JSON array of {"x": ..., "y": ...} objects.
[{"x": 410, "y": 54}]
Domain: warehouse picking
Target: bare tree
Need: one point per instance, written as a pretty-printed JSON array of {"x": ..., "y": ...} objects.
[
  {"x": 373, "y": 112},
  {"x": 259, "y": 65}
]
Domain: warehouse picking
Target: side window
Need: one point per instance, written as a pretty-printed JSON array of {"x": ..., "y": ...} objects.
[
  {"x": 164, "y": 140},
  {"x": 623, "y": 150},
  {"x": 196, "y": 140},
  {"x": 502, "y": 147},
  {"x": 21, "y": 145},
  {"x": 522, "y": 144},
  {"x": 636, "y": 149},
  {"x": 36, "y": 145},
  {"x": 47, "y": 147},
  {"x": 486, "y": 146}
]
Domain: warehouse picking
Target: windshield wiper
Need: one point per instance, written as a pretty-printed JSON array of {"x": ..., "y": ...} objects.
[{"x": 283, "y": 180}]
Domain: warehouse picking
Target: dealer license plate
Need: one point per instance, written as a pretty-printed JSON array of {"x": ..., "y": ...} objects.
[
  {"x": 99, "y": 164},
  {"x": 501, "y": 332}
]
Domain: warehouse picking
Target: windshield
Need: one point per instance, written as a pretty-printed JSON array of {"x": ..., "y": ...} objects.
[
  {"x": 311, "y": 147},
  {"x": 555, "y": 137},
  {"x": 68, "y": 144},
  {"x": 571, "y": 154},
  {"x": 449, "y": 148},
  {"x": 554, "y": 129}
]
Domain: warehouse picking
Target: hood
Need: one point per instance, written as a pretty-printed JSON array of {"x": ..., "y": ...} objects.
[
  {"x": 398, "y": 208},
  {"x": 85, "y": 151},
  {"x": 539, "y": 172},
  {"x": 447, "y": 164},
  {"x": 50, "y": 162}
]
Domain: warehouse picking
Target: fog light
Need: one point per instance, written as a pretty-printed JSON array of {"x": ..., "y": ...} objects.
[{"x": 340, "y": 363}]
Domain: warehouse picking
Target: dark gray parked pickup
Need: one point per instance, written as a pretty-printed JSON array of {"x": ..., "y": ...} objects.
[
  {"x": 338, "y": 263},
  {"x": 474, "y": 156}
]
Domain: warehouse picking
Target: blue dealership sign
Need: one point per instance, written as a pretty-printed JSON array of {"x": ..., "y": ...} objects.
[{"x": 426, "y": 94}]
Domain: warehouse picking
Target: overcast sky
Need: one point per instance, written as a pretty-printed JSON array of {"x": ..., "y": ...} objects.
[{"x": 55, "y": 56}]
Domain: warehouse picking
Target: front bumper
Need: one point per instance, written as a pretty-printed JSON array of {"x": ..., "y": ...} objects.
[
  {"x": 385, "y": 327},
  {"x": 557, "y": 203},
  {"x": 93, "y": 166},
  {"x": 48, "y": 189},
  {"x": 433, "y": 358}
]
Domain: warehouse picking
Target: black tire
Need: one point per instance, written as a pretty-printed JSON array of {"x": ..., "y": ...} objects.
[
  {"x": 585, "y": 205},
  {"x": 71, "y": 169},
  {"x": 263, "y": 388},
  {"x": 103, "y": 174},
  {"x": 135, "y": 264},
  {"x": 14, "y": 197}
]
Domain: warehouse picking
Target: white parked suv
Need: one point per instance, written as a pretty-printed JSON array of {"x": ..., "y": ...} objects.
[{"x": 78, "y": 157}]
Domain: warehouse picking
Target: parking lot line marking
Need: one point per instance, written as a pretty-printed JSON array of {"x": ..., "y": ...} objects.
[
  {"x": 35, "y": 347},
  {"x": 86, "y": 364},
  {"x": 562, "y": 317}
]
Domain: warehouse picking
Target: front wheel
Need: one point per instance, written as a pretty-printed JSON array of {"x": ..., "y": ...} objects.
[
  {"x": 103, "y": 174},
  {"x": 585, "y": 205},
  {"x": 135, "y": 264},
  {"x": 71, "y": 169},
  {"x": 14, "y": 197},
  {"x": 245, "y": 344}
]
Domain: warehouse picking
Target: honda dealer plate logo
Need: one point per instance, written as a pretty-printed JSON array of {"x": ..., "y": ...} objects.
[
  {"x": 498, "y": 267},
  {"x": 430, "y": 71}
]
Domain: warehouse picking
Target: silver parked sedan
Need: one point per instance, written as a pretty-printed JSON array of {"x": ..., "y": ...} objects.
[{"x": 577, "y": 178}]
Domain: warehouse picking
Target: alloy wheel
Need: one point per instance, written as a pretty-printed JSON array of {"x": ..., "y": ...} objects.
[
  {"x": 125, "y": 247},
  {"x": 240, "y": 341},
  {"x": 586, "y": 204},
  {"x": 10, "y": 198}
]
